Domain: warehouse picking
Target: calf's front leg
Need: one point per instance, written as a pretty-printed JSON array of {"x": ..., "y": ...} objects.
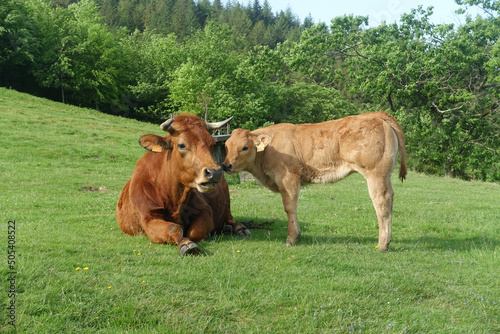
[{"x": 290, "y": 195}]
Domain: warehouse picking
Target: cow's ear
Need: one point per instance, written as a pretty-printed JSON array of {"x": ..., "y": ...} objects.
[
  {"x": 155, "y": 143},
  {"x": 262, "y": 142}
]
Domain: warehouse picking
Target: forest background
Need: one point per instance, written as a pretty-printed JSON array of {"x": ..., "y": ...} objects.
[{"x": 147, "y": 59}]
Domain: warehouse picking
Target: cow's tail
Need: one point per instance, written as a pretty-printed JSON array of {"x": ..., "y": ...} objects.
[{"x": 401, "y": 144}]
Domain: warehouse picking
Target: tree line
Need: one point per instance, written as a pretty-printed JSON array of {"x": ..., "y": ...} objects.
[
  {"x": 148, "y": 59},
  {"x": 256, "y": 22}
]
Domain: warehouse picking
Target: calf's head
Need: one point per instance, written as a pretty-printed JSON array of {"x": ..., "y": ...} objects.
[
  {"x": 188, "y": 149},
  {"x": 241, "y": 150}
]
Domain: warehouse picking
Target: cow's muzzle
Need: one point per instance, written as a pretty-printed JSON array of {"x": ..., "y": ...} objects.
[{"x": 211, "y": 176}]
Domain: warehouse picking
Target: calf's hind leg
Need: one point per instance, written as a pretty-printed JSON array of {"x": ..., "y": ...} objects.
[{"x": 382, "y": 196}]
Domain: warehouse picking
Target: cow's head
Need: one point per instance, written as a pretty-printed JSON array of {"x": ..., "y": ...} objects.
[
  {"x": 241, "y": 149},
  {"x": 189, "y": 148}
]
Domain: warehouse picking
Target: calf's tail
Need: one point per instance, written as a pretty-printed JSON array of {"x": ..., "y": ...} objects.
[{"x": 401, "y": 143}]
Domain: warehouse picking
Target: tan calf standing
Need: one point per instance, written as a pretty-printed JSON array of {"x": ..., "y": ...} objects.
[{"x": 283, "y": 157}]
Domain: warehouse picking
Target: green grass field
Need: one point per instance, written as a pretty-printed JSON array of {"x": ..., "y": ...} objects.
[{"x": 78, "y": 273}]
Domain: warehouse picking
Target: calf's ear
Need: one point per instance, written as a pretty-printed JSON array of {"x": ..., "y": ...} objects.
[
  {"x": 262, "y": 142},
  {"x": 155, "y": 143}
]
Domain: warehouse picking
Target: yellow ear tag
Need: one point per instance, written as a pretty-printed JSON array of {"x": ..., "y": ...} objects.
[
  {"x": 261, "y": 147},
  {"x": 156, "y": 148}
]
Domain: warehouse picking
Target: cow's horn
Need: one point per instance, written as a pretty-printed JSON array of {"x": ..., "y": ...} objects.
[
  {"x": 218, "y": 125},
  {"x": 165, "y": 125}
]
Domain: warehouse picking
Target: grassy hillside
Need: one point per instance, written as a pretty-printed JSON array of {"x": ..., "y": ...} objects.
[{"x": 78, "y": 273}]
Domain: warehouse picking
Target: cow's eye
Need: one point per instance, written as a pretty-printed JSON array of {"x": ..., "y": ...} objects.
[
  {"x": 181, "y": 147},
  {"x": 245, "y": 148}
]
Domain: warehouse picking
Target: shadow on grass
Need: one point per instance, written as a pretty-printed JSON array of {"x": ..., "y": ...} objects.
[{"x": 279, "y": 232}]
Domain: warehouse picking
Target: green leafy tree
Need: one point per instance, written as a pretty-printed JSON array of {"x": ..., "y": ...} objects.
[
  {"x": 81, "y": 56},
  {"x": 18, "y": 43},
  {"x": 153, "y": 60},
  {"x": 311, "y": 103},
  {"x": 435, "y": 78},
  {"x": 216, "y": 80},
  {"x": 210, "y": 57}
]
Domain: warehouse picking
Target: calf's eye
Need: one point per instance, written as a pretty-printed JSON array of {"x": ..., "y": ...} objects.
[
  {"x": 245, "y": 148},
  {"x": 181, "y": 147}
]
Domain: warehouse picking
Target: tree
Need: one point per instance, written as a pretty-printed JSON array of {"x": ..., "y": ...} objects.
[
  {"x": 257, "y": 35},
  {"x": 153, "y": 59},
  {"x": 267, "y": 14},
  {"x": 18, "y": 43},
  {"x": 255, "y": 11},
  {"x": 184, "y": 18},
  {"x": 204, "y": 11},
  {"x": 236, "y": 17},
  {"x": 308, "y": 22},
  {"x": 311, "y": 103},
  {"x": 216, "y": 80},
  {"x": 435, "y": 79},
  {"x": 81, "y": 56},
  {"x": 161, "y": 19}
]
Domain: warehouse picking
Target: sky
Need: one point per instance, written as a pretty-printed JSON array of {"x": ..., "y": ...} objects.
[{"x": 377, "y": 10}]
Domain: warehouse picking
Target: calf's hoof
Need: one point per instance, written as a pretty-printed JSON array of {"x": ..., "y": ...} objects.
[
  {"x": 383, "y": 248},
  {"x": 291, "y": 241},
  {"x": 189, "y": 248}
]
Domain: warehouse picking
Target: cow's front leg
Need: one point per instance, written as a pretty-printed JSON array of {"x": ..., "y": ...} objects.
[
  {"x": 199, "y": 227},
  {"x": 161, "y": 231},
  {"x": 290, "y": 195}
]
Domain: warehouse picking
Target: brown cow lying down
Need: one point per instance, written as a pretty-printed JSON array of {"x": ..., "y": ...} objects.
[
  {"x": 177, "y": 193},
  {"x": 283, "y": 157}
]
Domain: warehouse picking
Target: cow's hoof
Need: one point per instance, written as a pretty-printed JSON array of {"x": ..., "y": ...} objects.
[
  {"x": 244, "y": 232},
  {"x": 227, "y": 229},
  {"x": 189, "y": 249}
]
